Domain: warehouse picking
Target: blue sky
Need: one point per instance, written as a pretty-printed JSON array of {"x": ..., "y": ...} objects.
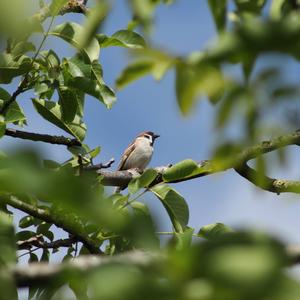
[{"x": 146, "y": 104}]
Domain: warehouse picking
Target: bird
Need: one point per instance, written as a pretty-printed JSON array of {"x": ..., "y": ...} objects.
[{"x": 138, "y": 154}]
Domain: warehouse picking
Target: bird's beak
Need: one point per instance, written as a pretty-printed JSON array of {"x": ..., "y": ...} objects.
[{"x": 155, "y": 136}]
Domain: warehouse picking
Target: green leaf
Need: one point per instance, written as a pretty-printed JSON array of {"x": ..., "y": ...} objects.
[
  {"x": 122, "y": 38},
  {"x": 21, "y": 48},
  {"x": 72, "y": 32},
  {"x": 142, "y": 181},
  {"x": 27, "y": 221},
  {"x": 51, "y": 111},
  {"x": 94, "y": 20},
  {"x": 56, "y": 6},
  {"x": 68, "y": 102},
  {"x": 133, "y": 72},
  {"x": 219, "y": 10},
  {"x": 10, "y": 68},
  {"x": 91, "y": 87},
  {"x": 213, "y": 231},
  {"x": 184, "y": 239},
  {"x": 7, "y": 240},
  {"x": 14, "y": 112},
  {"x": 87, "y": 78},
  {"x": 250, "y": 6},
  {"x": 193, "y": 80},
  {"x": 24, "y": 235},
  {"x": 183, "y": 169},
  {"x": 174, "y": 204}
]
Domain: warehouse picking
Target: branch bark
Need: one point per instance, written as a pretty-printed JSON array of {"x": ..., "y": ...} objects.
[
  {"x": 38, "y": 241},
  {"x": 122, "y": 178},
  {"x": 41, "y": 273},
  {"x": 266, "y": 183},
  {"x": 46, "y": 216},
  {"x": 46, "y": 138}
]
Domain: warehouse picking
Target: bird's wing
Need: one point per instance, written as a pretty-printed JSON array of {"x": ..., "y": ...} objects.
[{"x": 125, "y": 155}]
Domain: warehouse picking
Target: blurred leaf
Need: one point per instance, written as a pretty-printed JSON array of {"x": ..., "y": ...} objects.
[
  {"x": 122, "y": 38},
  {"x": 219, "y": 10},
  {"x": 213, "y": 231},
  {"x": 193, "y": 80},
  {"x": 150, "y": 61},
  {"x": 143, "y": 12},
  {"x": 7, "y": 240},
  {"x": 10, "y": 68},
  {"x": 142, "y": 181},
  {"x": 276, "y": 9},
  {"x": 21, "y": 48},
  {"x": 72, "y": 32},
  {"x": 133, "y": 72},
  {"x": 56, "y": 6},
  {"x": 174, "y": 204},
  {"x": 250, "y": 6},
  {"x": 51, "y": 111},
  {"x": 184, "y": 239},
  {"x": 95, "y": 18}
]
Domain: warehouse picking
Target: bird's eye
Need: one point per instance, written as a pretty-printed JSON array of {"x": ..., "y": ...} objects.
[{"x": 147, "y": 136}]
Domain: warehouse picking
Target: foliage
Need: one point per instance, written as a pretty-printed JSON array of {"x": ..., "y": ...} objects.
[{"x": 217, "y": 262}]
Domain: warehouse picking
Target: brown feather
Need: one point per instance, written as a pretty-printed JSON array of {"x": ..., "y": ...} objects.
[{"x": 125, "y": 155}]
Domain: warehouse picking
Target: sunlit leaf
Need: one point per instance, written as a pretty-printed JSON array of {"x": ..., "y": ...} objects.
[
  {"x": 72, "y": 32},
  {"x": 142, "y": 181},
  {"x": 51, "y": 111},
  {"x": 122, "y": 38},
  {"x": 10, "y": 68},
  {"x": 14, "y": 113},
  {"x": 174, "y": 204},
  {"x": 213, "y": 231}
]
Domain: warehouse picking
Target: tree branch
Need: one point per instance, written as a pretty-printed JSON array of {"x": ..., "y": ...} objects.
[
  {"x": 41, "y": 273},
  {"x": 51, "y": 139},
  {"x": 46, "y": 216},
  {"x": 38, "y": 241},
  {"x": 266, "y": 183},
  {"x": 122, "y": 178}
]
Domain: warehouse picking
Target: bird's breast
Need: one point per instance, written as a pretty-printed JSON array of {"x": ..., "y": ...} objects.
[{"x": 140, "y": 157}]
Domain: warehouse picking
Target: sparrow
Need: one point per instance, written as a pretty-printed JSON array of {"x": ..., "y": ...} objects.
[{"x": 138, "y": 154}]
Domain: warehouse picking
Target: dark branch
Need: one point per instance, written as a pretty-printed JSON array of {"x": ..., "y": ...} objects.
[
  {"x": 46, "y": 216},
  {"x": 38, "y": 241},
  {"x": 51, "y": 139},
  {"x": 266, "y": 183}
]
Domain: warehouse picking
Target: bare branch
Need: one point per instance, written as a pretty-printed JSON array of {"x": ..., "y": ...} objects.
[
  {"x": 46, "y": 216},
  {"x": 100, "y": 166},
  {"x": 46, "y": 138}
]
